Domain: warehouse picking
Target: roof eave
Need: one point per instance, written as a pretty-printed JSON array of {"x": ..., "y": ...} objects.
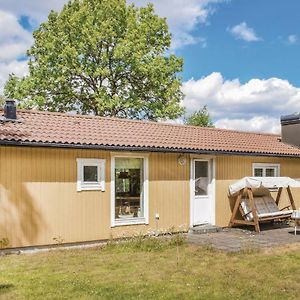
[{"x": 143, "y": 149}]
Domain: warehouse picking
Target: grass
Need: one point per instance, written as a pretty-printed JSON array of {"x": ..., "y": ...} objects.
[{"x": 150, "y": 268}]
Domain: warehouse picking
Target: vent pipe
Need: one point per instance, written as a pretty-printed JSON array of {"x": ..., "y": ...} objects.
[{"x": 10, "y": 111}]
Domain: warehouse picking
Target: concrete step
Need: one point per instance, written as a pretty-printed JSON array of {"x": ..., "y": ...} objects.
[{"x": 206, "y": 228}]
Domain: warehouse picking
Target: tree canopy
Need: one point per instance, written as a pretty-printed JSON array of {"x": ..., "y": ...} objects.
[
  {"x": 102, "y": 57},
  {"x": 200, "y": 118}
]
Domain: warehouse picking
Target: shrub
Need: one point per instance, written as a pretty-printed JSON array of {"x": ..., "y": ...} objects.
[{"x": 4, "y": 243}]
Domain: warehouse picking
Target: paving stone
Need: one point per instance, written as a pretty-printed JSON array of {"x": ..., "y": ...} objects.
[{"x": 237, "y": 239}]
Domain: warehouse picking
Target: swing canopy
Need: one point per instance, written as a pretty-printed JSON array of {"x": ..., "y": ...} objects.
[{"x": 259, "y": 182}]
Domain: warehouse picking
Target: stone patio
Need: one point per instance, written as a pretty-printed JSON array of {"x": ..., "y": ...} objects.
[{"x": 237, "y": 239}]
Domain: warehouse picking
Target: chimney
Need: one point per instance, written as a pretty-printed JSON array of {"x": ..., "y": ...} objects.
[
  {"x": 290, "y": 129},
  {"x": 10, "y": 111}
]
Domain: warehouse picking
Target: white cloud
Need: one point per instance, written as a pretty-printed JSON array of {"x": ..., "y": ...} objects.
[
  {"x": 19, "y": 68},
  {"x": 185, "y": 39},
  {"x": 255, "y": 124},
  {"x": 37, "y": 10},
  {"x": 252, "y": 102},
  {"x": 292, "y": 39},
  {"x": 14, "y": 39},
  {"x": 243, "y": 32}
]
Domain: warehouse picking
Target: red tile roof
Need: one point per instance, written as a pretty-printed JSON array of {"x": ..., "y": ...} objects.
[{"x": 45, "y": 128}]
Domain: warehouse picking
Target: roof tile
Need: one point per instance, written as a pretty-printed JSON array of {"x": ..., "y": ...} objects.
[{"x": 58, "y": 128}]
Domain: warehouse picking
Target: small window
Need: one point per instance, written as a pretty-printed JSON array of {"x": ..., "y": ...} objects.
[
  {"x": 90, "y": 174},
  {"x": 201, "y": 178},
  {"x": 258, "y": 172},
  {"x": 266, "y": 170}
]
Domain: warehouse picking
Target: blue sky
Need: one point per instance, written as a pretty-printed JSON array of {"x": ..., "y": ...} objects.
[
  {"x": 271, "y": 56},
  {"x": 242, "y": 57}
]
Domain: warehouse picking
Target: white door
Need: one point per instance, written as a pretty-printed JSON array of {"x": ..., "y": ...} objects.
[{"x": 202, "y": 200}]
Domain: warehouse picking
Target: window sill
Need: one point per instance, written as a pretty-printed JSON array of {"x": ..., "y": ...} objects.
[
  {"x": 129, "y": 221},
  {"x": 90, "y": 187}
]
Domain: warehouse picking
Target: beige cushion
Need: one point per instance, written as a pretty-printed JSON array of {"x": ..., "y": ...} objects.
[
  {"x": 283, "y": 213},
  {"x": 271, "y": 204},
  {"x": 260, "y": 205},
  {"x": 265, "y": 207}
]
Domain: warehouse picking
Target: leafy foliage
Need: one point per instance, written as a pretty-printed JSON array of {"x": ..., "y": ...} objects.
[
  {"x": 200, "y": 118},
  {"x": 2, "y": 101},
  {"x": 4, "y": 242},
  {"x": 102, "y": 57}
]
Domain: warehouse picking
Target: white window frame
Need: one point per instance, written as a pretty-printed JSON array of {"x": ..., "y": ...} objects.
[
  {"x": 136, "y": 220},
  {"x": 265, "y": 166},
  {"x": 91, "y": 186}
]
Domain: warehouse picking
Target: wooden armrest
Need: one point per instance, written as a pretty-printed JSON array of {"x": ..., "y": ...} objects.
[{"x": 286, "y": 207}]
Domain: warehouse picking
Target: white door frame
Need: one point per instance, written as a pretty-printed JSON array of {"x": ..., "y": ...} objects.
[{"x": 211, "y": 187}]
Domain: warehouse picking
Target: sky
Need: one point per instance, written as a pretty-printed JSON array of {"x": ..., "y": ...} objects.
[{"x": 241, "y": 57}]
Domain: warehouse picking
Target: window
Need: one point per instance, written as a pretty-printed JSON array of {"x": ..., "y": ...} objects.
[
  {"x": 201, "y": 178},
  {"x": 90, "y": 174},
  {"x": 266, "y": 170},
  {"x": 129, "y": 190}
]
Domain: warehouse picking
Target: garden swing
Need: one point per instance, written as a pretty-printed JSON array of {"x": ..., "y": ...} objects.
[{"x": 255, "y": 203}]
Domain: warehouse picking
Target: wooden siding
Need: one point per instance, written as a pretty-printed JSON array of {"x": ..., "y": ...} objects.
[{"x": 39, "y": 201}]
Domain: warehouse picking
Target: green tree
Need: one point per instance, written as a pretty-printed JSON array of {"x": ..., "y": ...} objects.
[
  {"x": 200, "y": 118},
  {"x": 102, "y": 57}
]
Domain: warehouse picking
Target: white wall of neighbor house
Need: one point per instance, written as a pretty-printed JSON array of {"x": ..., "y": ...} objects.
[{"x": 40, "y": 202}]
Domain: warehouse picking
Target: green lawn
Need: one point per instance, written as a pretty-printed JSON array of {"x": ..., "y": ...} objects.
[{"x": 151, "y": 269}]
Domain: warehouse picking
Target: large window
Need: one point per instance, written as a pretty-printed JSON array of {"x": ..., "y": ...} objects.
[
  {"x": 90, "y": 174},
  {"x": 266, "y": 170},
  {"x": 130, "y": 190}
]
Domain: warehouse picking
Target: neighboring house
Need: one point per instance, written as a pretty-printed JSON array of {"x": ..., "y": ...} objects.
[{"x": 72, "y": 178}]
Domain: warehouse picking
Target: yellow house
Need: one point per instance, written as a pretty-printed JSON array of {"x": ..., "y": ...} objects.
[{"x": 71, "y": 178}]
